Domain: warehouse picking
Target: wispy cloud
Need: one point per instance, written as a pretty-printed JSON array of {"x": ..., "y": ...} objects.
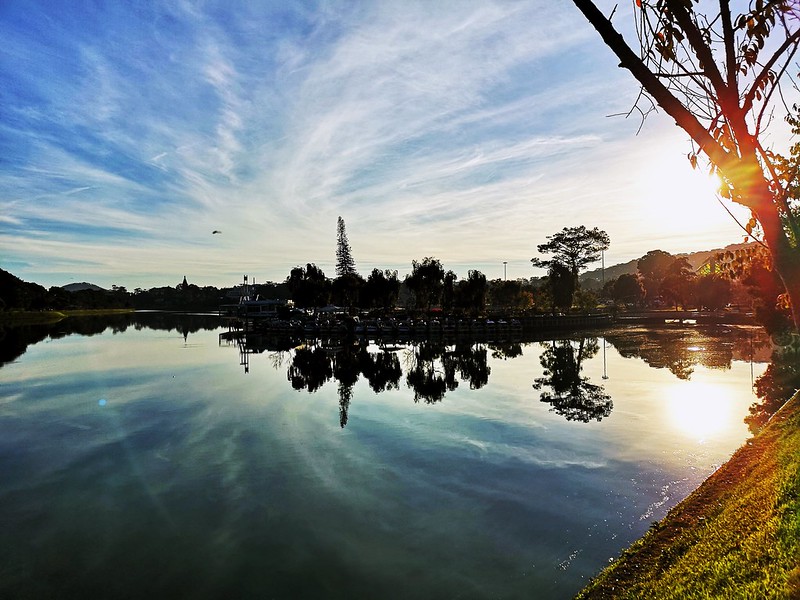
[{"x": 466, "y": 130}]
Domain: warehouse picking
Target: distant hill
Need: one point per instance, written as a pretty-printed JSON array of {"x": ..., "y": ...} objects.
[
  {"x": 593, "y": 278},
  {"x": 79, "y": 287},
  {"x": 610, "y": 272}
]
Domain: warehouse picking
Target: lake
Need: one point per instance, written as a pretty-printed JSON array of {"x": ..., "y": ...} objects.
[{"x": 149, "y": 456}]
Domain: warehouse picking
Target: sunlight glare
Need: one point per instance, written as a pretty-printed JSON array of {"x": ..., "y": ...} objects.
[
  {"x": 698, "y": 410},
  {"x": 681, "y": 199}
]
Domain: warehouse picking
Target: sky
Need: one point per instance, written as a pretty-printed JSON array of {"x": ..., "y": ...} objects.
[{"x": 463, "y": 130}]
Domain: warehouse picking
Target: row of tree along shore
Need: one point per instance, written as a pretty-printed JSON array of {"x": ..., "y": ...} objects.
[{"x": 740, "y": 280}]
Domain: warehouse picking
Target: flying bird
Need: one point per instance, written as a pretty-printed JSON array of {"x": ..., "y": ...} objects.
[{"x": 215, "y": 232}]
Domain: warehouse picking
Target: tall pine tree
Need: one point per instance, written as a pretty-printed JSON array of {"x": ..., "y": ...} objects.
[{"x": 345, "y": 265}]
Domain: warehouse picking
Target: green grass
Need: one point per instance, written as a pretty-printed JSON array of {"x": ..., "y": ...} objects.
[{"x": 736, "y": 536}]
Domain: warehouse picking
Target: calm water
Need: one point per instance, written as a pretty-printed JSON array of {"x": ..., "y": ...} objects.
[{"x": 148, "y": 463}]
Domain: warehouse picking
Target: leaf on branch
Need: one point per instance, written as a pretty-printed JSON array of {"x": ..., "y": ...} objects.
[{"x": 750, "y": 55}]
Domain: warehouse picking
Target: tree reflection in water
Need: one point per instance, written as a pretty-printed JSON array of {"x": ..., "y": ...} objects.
[
  {"x": 346, "y": 369},
  {"x": 313, "y": 366},
  {"x": 574, "y": 397},
  {"x": 778, "y": 383},
  {"x": 680, "y": 349},
  {"x": 15, "y": 339},
  {"x": 433, "y": 368},
  {"x": 668, "y": 348},
  {"x": 382, "y": 370},
  {"x": 471, "y": 363},
  {"x": 505, "y": 350},
  {"x": 310, "y": 368}
]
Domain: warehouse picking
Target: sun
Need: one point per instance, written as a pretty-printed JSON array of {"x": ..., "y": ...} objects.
[{"x": 685, "y": 201}]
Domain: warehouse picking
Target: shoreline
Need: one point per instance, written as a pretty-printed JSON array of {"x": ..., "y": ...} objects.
[
  {"x": 736, "y": 536},
  {"x": 43, "y": 317}
]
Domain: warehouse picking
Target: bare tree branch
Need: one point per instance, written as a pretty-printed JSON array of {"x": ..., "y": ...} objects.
[
  {"x": 629, "y": 60},
  {"x": 762, "y": 76},
  {"x": 772, "y": 89},
  {"x": 729, "y": 44},
  {"x": 702, "y": 51}
]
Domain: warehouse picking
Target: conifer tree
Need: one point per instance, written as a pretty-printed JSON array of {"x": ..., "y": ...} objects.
[{"x": 345, "y": 265}]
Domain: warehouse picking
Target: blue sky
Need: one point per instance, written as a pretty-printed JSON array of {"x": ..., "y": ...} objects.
[{"x": 464, "y": 130}]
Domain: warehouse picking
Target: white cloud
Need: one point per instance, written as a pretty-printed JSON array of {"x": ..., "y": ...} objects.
[{"x": 467, "y": 131}]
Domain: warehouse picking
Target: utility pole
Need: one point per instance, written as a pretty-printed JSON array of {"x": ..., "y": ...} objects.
[{"x": 603, "y": 267}]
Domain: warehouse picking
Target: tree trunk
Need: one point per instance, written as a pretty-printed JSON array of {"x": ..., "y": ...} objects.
[
  {"x": 743, "y": 172},
  {"x": 785, "y": 258}
]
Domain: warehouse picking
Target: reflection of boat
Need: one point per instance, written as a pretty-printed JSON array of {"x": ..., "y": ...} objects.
[{"x": 393, "y": 348}]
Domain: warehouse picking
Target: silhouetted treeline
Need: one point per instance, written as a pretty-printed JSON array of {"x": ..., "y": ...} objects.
[
  {"x": 661, "y": 280},
  {"x": 16, "y": 294}
]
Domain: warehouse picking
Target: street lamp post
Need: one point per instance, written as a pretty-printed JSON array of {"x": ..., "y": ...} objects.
[
  {"x": 603, "y": 267},
  {"x": 505, "y": 273}
]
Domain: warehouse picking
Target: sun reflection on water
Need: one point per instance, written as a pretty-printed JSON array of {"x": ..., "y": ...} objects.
[{"x": 699, "y": 410}]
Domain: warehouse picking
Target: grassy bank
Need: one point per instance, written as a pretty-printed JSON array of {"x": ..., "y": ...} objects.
[
  {"x": 24, "y": 317},
  {"x": 736, "y": 536}
]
